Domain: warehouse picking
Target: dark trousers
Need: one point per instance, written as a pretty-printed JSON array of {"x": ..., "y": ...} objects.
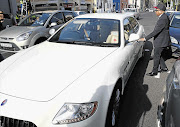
[
  {"x": 1, "y": 58},
  {"x": 159, "y": 58}
]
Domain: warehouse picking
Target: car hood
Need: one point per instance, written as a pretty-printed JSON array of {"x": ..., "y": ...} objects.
[
  {"x": 174, "y": 32},
  {"x": 42, "y": 73},
  {"x": 13, "y": 32}
]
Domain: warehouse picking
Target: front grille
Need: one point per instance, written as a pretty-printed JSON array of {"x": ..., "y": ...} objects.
[
  {"x": 5, "y": 38},
  {"x": 13, "y": 48},
  {"x": 10, "y": 122}
]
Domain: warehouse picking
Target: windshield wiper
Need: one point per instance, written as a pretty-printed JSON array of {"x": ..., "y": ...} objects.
[
  {"x": 105, "y": 44},
  {"x": 74, "y": 42},
  {"x": 87, "y": 43},
  {"x": 92, "y": 43},
  {"x": 83, "y": 43},
  {"x": 65, "y": 41}
]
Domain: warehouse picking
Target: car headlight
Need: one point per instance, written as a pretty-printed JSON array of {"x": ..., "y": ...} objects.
[
  {"x": 173, "y": 40},
  {"x": 24, "y": 36},
  {"x": 71, "y": 113}
]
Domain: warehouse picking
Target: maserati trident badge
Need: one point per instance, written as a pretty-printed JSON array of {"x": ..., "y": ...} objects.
[{"x": 4, "y": 102}]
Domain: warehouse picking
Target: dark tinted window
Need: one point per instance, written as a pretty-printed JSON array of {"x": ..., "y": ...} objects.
[
  {"x": 134, "y": 24},
  {"x": 38, "y": 19},
  {"x": 68, "y": 16},
  {"x": 93, "y": 31},
  {"x": 175, "y": 22},
  {"x": 58, "y": 18},
  {"x": 127, "y": 29}
]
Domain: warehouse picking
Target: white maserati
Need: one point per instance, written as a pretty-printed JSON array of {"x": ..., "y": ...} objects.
[{"x": 74, "y": 79}]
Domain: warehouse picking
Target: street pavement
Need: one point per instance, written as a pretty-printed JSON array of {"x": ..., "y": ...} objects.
[{"x": 143, "y": 93}]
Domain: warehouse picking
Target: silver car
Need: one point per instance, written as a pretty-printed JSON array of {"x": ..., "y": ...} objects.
[
  {"x": 32, "y": 30},
  {"x": 168, "y": 110}
]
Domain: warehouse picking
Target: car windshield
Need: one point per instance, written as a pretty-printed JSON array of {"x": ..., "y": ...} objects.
[
  {"x": 94, "y": 32},
  {"x": 175, "y": 22},
  {"x": 38, "y": 19}
]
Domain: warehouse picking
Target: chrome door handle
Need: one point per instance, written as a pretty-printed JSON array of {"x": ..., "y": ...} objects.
[{"x": 176, "y": 86}]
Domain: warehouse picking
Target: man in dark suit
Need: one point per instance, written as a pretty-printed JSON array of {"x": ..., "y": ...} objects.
[{"x": 161, "y": 39}]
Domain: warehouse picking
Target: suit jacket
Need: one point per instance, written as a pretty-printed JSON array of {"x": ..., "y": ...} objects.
[
  {"x": 161, "y": 32},
  {"x": 1, "y": 26}
]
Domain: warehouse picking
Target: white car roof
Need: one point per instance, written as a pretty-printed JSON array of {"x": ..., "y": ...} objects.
[{"x": 117, "y": 16}]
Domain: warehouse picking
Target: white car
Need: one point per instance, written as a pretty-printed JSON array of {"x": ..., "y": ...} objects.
[
  {"x": 133, "y": 11},
  {"x": 74, "y": 79}
]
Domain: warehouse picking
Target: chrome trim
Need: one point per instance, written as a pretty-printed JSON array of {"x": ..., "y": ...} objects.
[
  {"x": 5, "y": 38},
  {"x": 10, "y": 122}
]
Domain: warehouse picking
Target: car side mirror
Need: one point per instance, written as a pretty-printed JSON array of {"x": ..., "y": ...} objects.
[
  {"x": 53, "y": 24},
  {"x": 133, "y": 37},
  {"x": 52, "y": 31}
]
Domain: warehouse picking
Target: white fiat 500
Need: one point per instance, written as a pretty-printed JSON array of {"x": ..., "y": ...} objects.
[{"x": 74, "y": 79}]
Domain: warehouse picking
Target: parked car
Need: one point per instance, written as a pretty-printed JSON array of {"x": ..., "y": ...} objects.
[
  {"x": 80, "y": 12},
  {"x": 32, "y": 30},
  {"x": 76, "y": 78},
  {"x": 174, "y": 31},
  {"x": 168, "y": 110},
  {"x": 133, "y": 11},
  {"x": 168, "y": 13}
]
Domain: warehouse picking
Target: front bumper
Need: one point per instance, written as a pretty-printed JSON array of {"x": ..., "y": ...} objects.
[
  {"x": 11, "y": 45},
  {"x": 18, "y": 111}
]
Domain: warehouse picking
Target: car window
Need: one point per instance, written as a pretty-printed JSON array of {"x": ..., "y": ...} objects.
[
  {"x": 38, "y": 19},
  {"x": 57, "y": 18},
  {"x": 81, "y": 13},
  {"x": 175, "y": 22},
  {"x": 127, "y": 29},
  {"x": 68, "y": 16},
  {"x": 94, "y": 31},
  {"x": 134, "y": 23}
]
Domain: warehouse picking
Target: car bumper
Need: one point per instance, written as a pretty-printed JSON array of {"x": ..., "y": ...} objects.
[
  {"x": 12, "y": 46},
  {"x": 41, "y": 114}
]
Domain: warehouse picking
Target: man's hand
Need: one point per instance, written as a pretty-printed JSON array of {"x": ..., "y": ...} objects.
[
  {"x": 142, "y": 39},
  {"x": 1, "y": 20}
]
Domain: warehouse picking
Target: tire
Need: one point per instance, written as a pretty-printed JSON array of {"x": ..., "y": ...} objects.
[{"x": 114, "y": 108}]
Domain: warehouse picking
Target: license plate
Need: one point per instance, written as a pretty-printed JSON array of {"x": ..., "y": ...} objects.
[{"x": 6, "y": 45}]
